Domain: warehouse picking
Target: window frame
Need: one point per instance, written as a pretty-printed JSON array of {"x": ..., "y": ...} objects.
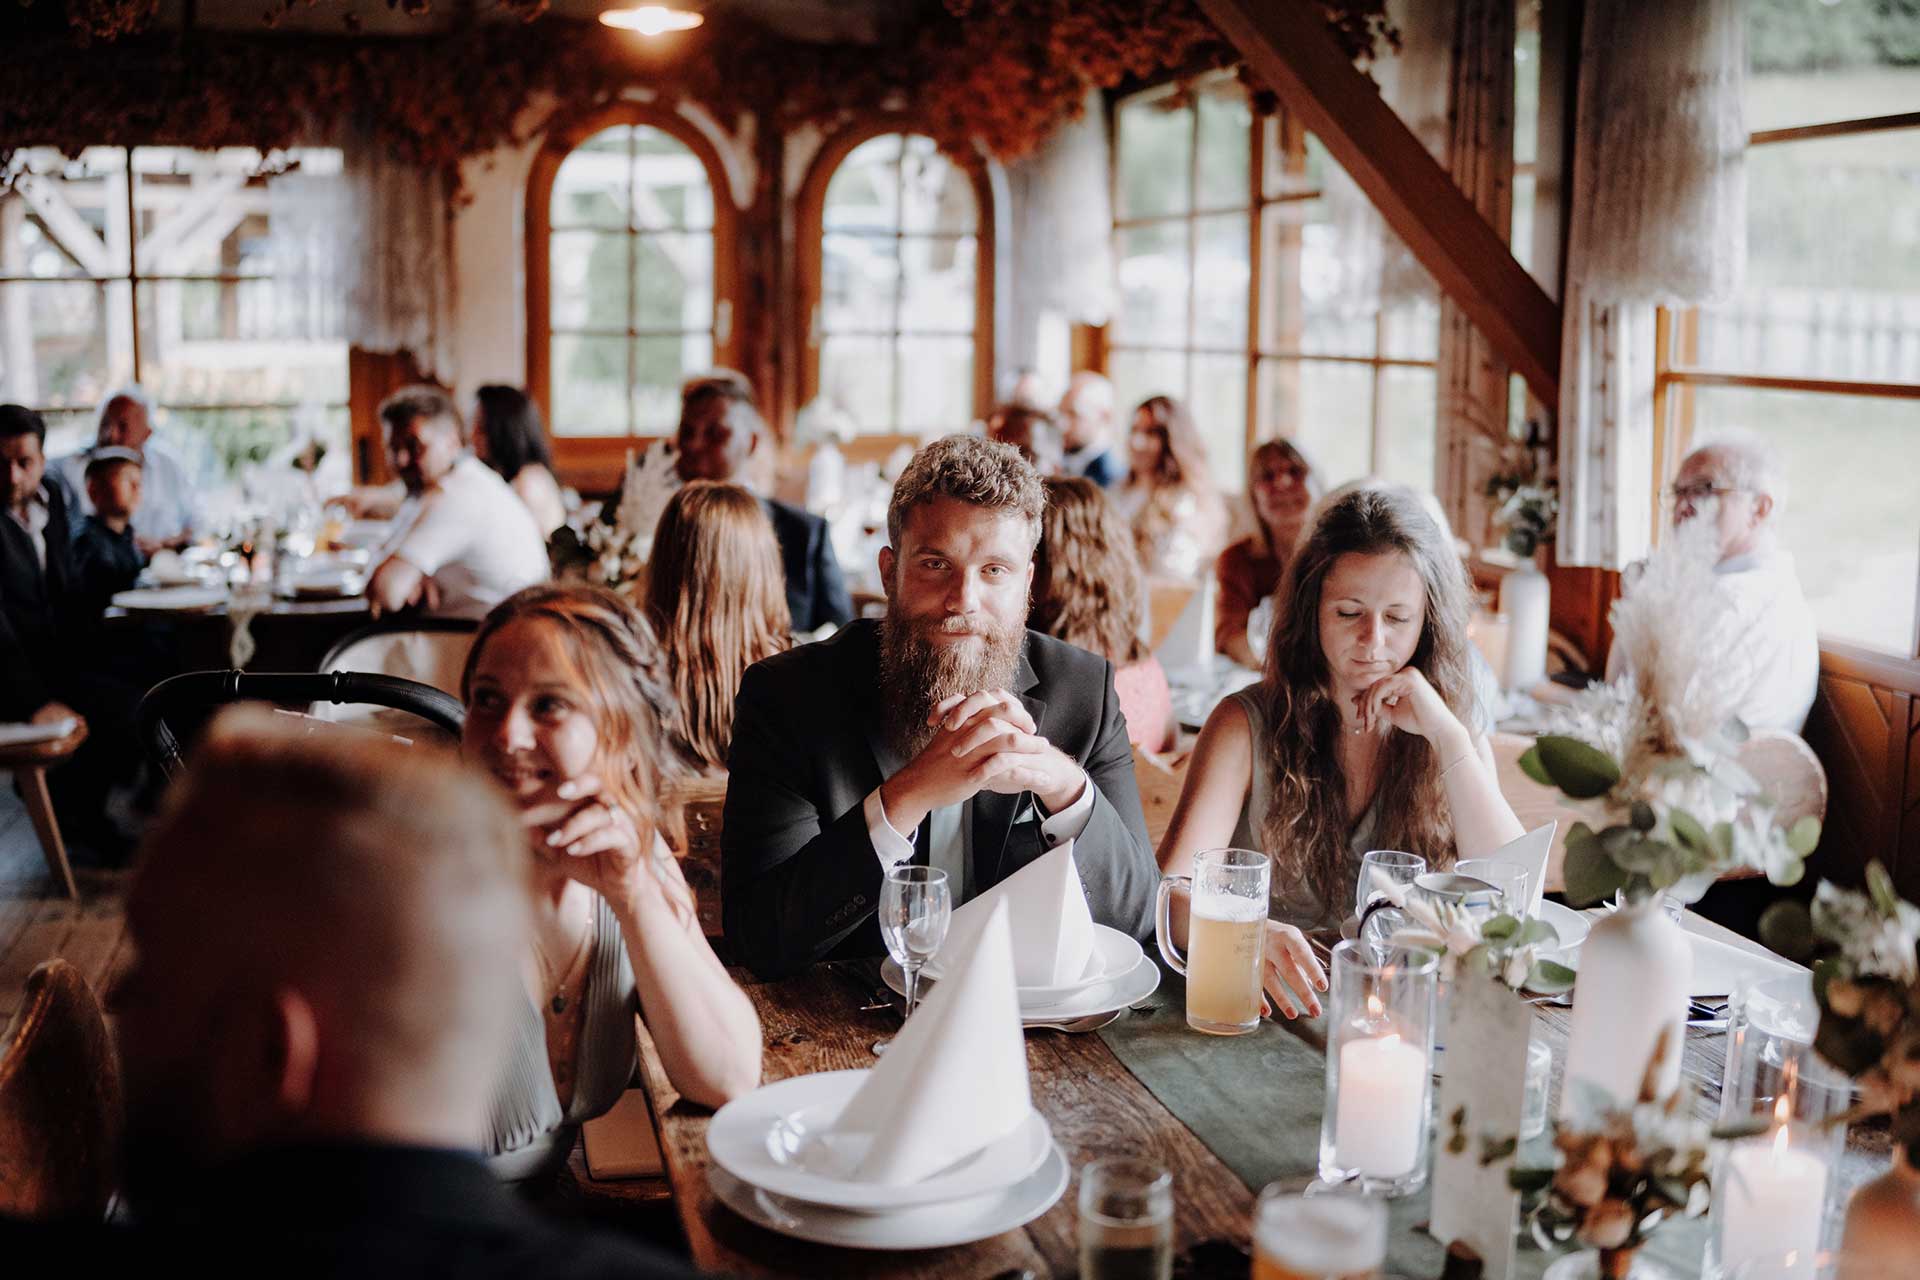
[
  {"x": 1677, "y": 372},
  {"x": 587, "y": 459},
  {"x": 810, "y": 256}
]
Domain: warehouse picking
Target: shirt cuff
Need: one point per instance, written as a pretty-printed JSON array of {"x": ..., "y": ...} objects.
[
  {"x": 1070, "y": 821},
  {"x": 889, "y": 845}
]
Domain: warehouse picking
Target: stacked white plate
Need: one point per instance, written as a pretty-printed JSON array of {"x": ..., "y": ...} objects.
[
  {"x": 778, "y": 1164},
  {"x": 1118, "y": 974}
]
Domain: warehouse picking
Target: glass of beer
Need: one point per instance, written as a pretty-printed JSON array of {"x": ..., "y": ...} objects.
[
  {"x": 1325, "y": 1237},
  {"x": 1226, "y": 934},
  {"x": 1126, "y": 1220}
]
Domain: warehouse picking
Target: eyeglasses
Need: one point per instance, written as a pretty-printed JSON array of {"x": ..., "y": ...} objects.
[{"x": 1700, "y": 491}]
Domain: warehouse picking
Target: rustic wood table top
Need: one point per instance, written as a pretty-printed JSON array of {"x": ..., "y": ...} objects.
[{"x": 816, "y": 1022}]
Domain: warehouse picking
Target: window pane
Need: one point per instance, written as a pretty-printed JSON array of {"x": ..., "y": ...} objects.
[
  {"x": 1154, "y": 154},
  {"x": 865, "y": 190},
  {"x": 75, "y": 224},
  {"x": 1282, "y": 299},
  {"x": 1220, "y": 280},
  {"x": 1853, "y": 529},
  {"x": 228, "y": 440},
  {"x": 1139, "y": 374},
  {"x": 1327, "y": 410},
  {"x": 64, "y": 342},
  {"x": 1526, "y": 82},
  {"x": 588, "y": 280},
  {"x": 591, "y": 187},
  {"x": 1339, "y": 295},
  {"x": 858, "y": 277},
  {"x": 670, "y": 190},
  {"x": 1226, "y": 123},
  {"x": 1833, "y": 268},
  {"x": 1814, "y": 61},
  {"x": 1219, "y": 405},
  {"x": 935, "y": 377},
  {"x": 589, "y": 386},
  {"x": 1520, "y": 234},
  {"x": 210, "y": 342},
  {"x": 856, "y": 376},
  {"x": 673, "y": 281},
  {"x": 1410, "y": 329},
  {"x": 660, "y": 365},
  {"x": 936, "y": 194},
  {"x": 938, "y": 295},
  {"x": 1407, "y": 403},
  {"x": 1153, "y": 285}
]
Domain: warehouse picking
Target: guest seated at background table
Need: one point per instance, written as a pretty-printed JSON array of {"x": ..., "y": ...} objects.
[
  {"x": 1086, "y": 425},
  {"x": 1030, "y": 430},
  {"x": 1280, "y": 489},
  {"x": 508, "y": 436},
  {"x": 717, "y": 600},
  {"x": 1088, "y": 591},
  {"x": 1178, "y": 520},
  {"x": 1363, "y": 733},
  {"x": 106, "y": 556},
  {"x": 462, "y": 541},
  {"x": 719, "y": 430},
  {"x": 170, "y": 512},
  {"x": 326, "y": 948},
  {"x": 947, "y": 725},
  {"x": 1729, "y": 494},
  {"x": 562, "y": 689}
]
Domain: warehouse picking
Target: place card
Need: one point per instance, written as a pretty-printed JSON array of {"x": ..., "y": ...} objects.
[{"x": 1482, "y": 1095}]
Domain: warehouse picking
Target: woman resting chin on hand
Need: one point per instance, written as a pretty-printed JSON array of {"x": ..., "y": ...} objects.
[{"x": 1363, "y": 732}]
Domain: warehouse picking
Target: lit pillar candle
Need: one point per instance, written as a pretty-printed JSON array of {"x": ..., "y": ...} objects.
[
  {"x": 1773, "y": 1199},
  {"x": 1382, "y": 1109}
]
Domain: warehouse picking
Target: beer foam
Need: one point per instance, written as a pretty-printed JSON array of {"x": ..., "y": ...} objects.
[
  {"x": 1231, "y": 908},
  {"x": 1336, "y": 1235}
]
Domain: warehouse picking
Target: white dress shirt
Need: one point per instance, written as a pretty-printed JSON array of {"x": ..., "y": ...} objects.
[
  {"x": 948, "y": 838},
  {"x": 473, "y": 536}
]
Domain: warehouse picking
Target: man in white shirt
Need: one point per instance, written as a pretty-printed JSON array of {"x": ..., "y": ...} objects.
[
  {"x": 169, "y": 513},
  {"x": 462, "y": 541},
  {"x": 1736, "y": 485}
]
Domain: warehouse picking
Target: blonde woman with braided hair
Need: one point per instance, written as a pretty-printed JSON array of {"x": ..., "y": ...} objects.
[{"x": 564, "y": 689}]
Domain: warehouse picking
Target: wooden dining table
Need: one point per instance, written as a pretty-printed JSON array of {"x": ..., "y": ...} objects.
[{"x": 823, "y": 1020}]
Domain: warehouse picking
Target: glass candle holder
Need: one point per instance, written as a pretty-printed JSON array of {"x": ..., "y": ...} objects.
[
  {"x": 1380, "y": 1020},
  {"x": 1126, "y": 1220},
  {"x": 1777, "y": 1194}
]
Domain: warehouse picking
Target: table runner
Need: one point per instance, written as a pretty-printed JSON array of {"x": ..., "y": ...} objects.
[{"x": 1255, "y": 1101}]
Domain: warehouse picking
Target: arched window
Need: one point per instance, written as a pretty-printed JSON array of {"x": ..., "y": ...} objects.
[
  {"x": 629, "y": 226},
  {"x": 897, "y": 278}
]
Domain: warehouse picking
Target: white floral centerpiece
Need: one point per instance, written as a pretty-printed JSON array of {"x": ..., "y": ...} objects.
[
  {"x": 612, "y": 551},
  {"x": 1504, "y": 947}
]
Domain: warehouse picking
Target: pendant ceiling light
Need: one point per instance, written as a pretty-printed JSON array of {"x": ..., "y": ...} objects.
[{"x": 651, "y": 19}]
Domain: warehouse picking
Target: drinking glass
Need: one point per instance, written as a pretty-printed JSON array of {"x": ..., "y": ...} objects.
[
  {"x": 1325, "y": 1237},
  {"x": 1126, "y": 1220},
  {"x": 1509, "y": 879},
  {"x": 1226, "y": 937},
  {"x": 915, "y": 909},
  {"x": 1380, "y": 868},
  {"x": 1380, "y": 1021}
]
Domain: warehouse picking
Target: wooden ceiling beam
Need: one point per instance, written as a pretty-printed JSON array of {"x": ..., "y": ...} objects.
[{"x": 1288, "y": 44}]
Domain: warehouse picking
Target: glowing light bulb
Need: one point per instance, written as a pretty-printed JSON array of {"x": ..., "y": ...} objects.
[{"x": 651, "y": 19}]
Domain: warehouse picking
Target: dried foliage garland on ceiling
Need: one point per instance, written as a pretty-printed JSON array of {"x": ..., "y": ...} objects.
[{"x": 1003, "y": 73}]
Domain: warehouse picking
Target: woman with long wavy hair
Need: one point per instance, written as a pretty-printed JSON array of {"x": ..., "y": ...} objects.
[
  {"x": 1363, "y": 733},
  {"x": 562, "y": 689},
  {"x": 1179, "y": 521},
  {"x": 717, "y": 597},
  {"x": 1087, "y": 590}
]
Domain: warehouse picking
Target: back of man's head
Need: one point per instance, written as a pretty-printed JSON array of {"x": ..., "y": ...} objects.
[
  {"x": 981, "y": 473},
  {"x": 328, "y": 931}
]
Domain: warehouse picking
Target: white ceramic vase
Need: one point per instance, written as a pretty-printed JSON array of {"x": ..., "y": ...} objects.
[
  {"x": 1635, "y": 968},
  {"x": 1525, "y": 600}
]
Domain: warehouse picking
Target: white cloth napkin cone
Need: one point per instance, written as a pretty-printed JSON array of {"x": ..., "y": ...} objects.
[
  {"x": 1530, "y": 851},
  {"x": 953, "y": 1081},
  {"x": 1047, "y": 910},
  {"x": 1189, "y": 642}
]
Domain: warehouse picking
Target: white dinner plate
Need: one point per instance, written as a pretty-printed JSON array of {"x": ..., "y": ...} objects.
[
  {"x": 1105, "y": 997},
  {"x": 935, "y": 1226},
  {"x": 325, "y": 584},
  {"x": 1568, "y": 923},
  {"x": 771, "y": 1139},
  {"x": 172, "y": 599},
  {"x": 1114, "y": 956}
]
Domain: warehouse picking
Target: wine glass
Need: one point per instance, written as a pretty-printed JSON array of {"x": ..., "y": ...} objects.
[{"x": 915, "y": 909}]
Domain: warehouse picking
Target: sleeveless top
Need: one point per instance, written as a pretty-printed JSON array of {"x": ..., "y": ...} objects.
[{"x": 529, "y": 1133}]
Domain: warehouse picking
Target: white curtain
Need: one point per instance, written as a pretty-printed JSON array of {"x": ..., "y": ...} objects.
[
  {"x": 1062, "y": 220},
  {"x": 1659, "y": 218}
]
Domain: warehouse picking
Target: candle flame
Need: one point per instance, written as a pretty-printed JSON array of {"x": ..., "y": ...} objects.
[
  {"x": 1374, "y": 1007},
  {"x": 1780, "y": 1142}
]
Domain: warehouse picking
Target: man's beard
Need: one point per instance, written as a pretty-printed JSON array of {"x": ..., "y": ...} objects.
[{"x": 916, "y": 674}]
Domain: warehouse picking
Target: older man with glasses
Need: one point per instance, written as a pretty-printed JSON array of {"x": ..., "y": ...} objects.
[{"x": 1729, "y": 492}]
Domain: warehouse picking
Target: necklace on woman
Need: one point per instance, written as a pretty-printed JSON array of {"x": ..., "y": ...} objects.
[{"x": 558, "y": 1001}]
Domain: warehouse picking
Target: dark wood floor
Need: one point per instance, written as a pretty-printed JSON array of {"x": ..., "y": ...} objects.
[{"x": 38, "y": 922}]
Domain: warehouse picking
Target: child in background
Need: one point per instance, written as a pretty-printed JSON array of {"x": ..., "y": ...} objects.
[{"x": 105, "y": 555}]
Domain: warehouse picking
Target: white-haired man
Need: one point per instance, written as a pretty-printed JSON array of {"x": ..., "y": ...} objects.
[
  {"x": 169, "y": 511},
  {"x": 1086, "y": 426},
  {"x": 1735, "y": 484}
]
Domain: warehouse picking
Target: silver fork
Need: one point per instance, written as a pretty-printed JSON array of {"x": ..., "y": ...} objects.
[{"x": 1091, "y": 1023}]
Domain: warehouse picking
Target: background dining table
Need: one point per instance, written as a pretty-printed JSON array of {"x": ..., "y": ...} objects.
[{"x": 1124, "y": 1089}]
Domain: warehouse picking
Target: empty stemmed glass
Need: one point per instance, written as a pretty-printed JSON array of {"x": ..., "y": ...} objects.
[{"x": 915, "y": 909}]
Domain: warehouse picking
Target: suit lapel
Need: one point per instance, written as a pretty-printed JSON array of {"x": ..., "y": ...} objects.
[{"x": 993, "y": 813}]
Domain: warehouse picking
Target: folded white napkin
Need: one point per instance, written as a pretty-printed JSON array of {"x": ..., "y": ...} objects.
[
  {"x": 1047, "y": 911},
  {"x": 953, "y": 1081},
  {"x": 1718, "y": 969},
  {"x": 19, "y": 733},
  {"x": 1530, "y": 851}
]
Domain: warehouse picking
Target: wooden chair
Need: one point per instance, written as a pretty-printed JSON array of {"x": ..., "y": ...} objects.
[
  {"x": 1160, "y": 778},
  {"x": 29, "y": 762},
  {"x": 701, "y": 802},
  {"x": 59, "y": 1101}
]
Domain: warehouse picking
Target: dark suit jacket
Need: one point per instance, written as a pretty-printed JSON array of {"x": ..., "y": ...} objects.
[
  {"x": 104, "y": 562},
  {"x": 39, "y": 610},
  {"x": 816, "y": 593},
  {"x": 801, "y": 875},
  {"x": 1107, "y": 470}
]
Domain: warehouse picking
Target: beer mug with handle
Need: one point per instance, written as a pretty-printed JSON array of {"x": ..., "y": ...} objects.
[{"x": 1226, "y": 933}]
